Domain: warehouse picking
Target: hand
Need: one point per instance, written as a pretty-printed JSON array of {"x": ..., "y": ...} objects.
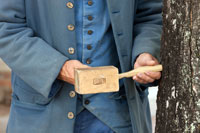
[
  {"x": 67, "y": 72},
  {"x": 146, "y": 59}
]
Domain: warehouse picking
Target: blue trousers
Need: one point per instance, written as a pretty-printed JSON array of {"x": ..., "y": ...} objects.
[{"x": 86, "y": 122}]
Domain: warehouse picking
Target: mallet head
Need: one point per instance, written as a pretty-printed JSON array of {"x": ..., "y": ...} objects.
[{"x": 96, "y": 80}]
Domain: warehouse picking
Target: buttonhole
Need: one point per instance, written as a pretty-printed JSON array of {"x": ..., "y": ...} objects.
[
  {"x": 124, "y": 55},
  {"x": 114, "y": 12},
  {"x": 119, "y": 34}
]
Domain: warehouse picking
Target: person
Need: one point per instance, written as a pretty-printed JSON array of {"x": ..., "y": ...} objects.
[{"x": 42, "y": 41}]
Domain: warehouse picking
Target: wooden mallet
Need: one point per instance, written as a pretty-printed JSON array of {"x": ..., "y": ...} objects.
[{"x": 105, "y": 79}]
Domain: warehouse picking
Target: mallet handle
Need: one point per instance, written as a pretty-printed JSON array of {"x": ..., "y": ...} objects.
[{"x": 144, "y": 69}]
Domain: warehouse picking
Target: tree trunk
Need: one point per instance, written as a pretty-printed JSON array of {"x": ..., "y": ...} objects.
[{"x": 178, "y": 100}]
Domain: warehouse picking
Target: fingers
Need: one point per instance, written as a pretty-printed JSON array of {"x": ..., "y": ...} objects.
[
  {"x": 139, "y": 80},
  {"x": 146, "y": 59},
  {"x": 154, "y": 75},
  {"x": 67, "y": 71},
  {"x": 148, "y": 77},
  {"x": 70, "y": 71},
  {"x": 143, "y": 78}
]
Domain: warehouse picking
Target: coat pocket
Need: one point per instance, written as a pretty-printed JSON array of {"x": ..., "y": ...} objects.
[
  {"x": 22, "y": 94},
  {"x": 16, "y": 101},
  {"x": 27, "y": 117}
]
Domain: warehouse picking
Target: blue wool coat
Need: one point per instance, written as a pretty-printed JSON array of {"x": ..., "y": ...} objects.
[{"x": 35, "y": 43}]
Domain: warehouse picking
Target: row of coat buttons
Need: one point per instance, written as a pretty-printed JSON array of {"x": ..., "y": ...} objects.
[
  {"x": 90, "y": 3},
  {"x": 71, "y": 50},
  {"x": 89, "y": 47},
  {"x": 70, "y": 115},
  {"x": 71, "y": 28}
]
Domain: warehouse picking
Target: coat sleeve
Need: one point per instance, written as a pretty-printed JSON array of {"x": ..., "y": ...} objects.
[
  {"x": 147, "y": 32},
  {"x": 29, "y": 56},
  {"x": 147, "y": 28}
]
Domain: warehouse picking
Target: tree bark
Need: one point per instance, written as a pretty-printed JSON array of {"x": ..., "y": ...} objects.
[{"x": 178, "y": 100}]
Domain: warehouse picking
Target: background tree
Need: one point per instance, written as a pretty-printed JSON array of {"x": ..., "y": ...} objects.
[{"x": 178, "y": 98}]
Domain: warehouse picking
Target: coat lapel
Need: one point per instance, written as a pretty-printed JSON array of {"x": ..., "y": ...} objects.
[
  {"x": 114, "y": 9},
  {"x": 122, "y": 16}
]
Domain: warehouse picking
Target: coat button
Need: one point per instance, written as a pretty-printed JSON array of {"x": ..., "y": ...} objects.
[
  {"x": 70, "y": 27},
  {"x": 90, "y": 32},
  {"x": 87, "y": 102},
  {"x": 90, "y": 18},
  {"x": 89, "y": 47},
  {"x": 88, "y": 61},
  {"x": 90, "y": 3},
  {"x": 72, "y": 94},
  {"x": 70, "y": 5},
  {"x": 70, "y": 115},
  {"x": 71, "y": 50}
]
